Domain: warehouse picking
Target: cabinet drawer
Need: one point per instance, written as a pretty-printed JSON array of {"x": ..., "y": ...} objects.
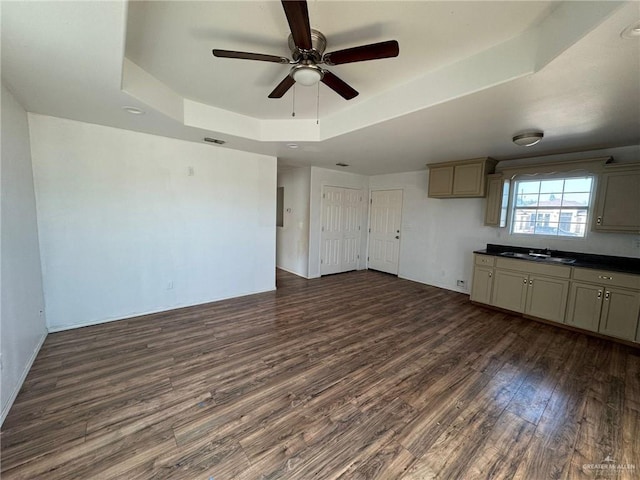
[
  {"x": 525, "y": 266},
  {"x": 484, "y": 260},
  {"x": 604, "y": 277}
]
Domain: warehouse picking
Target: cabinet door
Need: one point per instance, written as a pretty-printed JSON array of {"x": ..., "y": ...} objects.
[
  {"x": 441, "y": 181},
  {"x": 618, "y": 202},
  {"x": 493, "y": 204},
  {"x": 469, "y": 180},
  {"x": 495, "y": 214},
  {"x": 509, "y": 290},
  {"x": 585, "y": 305},
  {"x": 482, "y": 283},
  {"x": 547, "y": 297},
  {"x": 620, "y": 309}
]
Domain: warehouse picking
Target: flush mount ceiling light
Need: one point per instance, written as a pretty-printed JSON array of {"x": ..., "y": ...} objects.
[
  {"x": 307, "y": 74},
  {"x": 341, "y": 164},
  {"x": 214, "y": 140},
  {"x": 133, "y": 110},
  {"x": 527, "y": 139},
  {"x": 292, "y": 145},
  {"x": 632, "y": 31}
]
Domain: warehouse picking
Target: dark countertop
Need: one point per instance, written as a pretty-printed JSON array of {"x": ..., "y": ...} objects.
[{"x": 583, "y": 260}]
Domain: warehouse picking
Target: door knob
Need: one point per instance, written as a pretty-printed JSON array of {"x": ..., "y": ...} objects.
[{"x": 397, "y": 237}]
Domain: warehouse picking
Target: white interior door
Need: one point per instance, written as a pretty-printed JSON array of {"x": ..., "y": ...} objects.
[
  {"x": 351, "y": 213},
  {"x": 341, "y": 230},
  {"x": 384, "y": 234}
]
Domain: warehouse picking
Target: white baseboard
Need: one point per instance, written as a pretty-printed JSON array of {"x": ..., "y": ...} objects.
[
  {"x": 62, "y": 328},
  {"x": 297, "y": 274},
  {"x": 16, "y": 390},
  {"x": 444, "y": 287}
]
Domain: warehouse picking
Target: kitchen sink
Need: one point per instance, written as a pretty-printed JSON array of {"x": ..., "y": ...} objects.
[
  {"x": 538, "y": 257},
  {"x": 560, "y": 259},
  {"x": 517, "y": 255}
]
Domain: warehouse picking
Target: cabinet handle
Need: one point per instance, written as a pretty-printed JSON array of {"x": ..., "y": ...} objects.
[
  {"x": 599, "y": 294},
  {"x": 524, "y": 280},
  {"x": 530, "y": 282},
  {"x": 605, "y": 277},
  {"x": 599, "y": 220},
  {"x": 490, "y": 274},
  {"x": 606, "y": 295}
]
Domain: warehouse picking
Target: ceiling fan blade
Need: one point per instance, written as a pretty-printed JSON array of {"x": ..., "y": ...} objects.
[
  {"x": 298, "y": 18},
  {"x": 282, "y": 87},
  {"x": 249, "y": 56},
  {"x": 338, "y": 86},
  {"x": 362, "y": 53}
]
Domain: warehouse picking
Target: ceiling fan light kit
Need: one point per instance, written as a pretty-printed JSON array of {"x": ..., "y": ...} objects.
[
  {"x": 307, "y": 75},
  {"x": 527, "y": 139},
  {"x": 307, "y": 52}
]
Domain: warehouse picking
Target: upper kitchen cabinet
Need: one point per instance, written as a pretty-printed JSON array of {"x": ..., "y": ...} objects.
[
  {"x": 460, "y": 179},
  {"x": 618, "y": 199},
  {"x": 497, "y": 200}
]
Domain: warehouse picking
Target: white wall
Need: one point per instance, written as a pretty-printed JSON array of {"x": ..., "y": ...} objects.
[
  {"x": 292, "y": 239},
  {"x": 319, "y": 178},
  {"x": 22, "y": 320},
  {"x": 125, "y": 230},
  {"x": 438, "y": 236}
]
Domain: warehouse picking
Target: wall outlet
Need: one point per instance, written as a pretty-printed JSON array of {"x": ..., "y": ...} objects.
[
  {"x": 636, "y": 242},
  {"x": 170, "y": 285},
  {"x": 460, "y": 283},
  {"x": 191, "y": 171}
]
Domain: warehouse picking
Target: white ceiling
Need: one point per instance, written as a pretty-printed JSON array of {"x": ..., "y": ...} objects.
[
  {"x": 168, "y": 39},
  {"x": 468, "y": 77}
]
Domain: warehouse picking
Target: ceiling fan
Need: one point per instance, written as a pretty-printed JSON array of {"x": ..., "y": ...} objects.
[{"x": 307, "y": 51}]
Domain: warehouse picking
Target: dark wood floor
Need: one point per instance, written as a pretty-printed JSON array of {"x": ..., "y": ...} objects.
[{"x": 358, "y": 376}]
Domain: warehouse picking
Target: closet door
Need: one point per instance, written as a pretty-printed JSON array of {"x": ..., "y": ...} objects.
[
  {"x": 351, "y": 208},
  {"x": 341, "y": 229}
]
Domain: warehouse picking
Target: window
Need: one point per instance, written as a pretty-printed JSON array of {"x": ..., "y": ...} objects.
[{"x": 555, "y": 206}]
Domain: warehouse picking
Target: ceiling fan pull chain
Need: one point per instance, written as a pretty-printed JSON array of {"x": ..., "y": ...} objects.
[
  {"x": 318, "y": 106},
  {"x": 293, "y": 107}
]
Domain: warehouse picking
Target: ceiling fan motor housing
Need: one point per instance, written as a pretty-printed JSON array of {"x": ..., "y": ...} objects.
[{"x": 318, "y": 46}]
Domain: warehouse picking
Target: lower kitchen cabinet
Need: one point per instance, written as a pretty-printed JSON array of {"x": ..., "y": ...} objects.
[
  {"x": 510, "y": 290},
  {"x": 585, "y": 306},
  {"x": 609, "y": 310},
  {"x": 620, "y": 313},
  {"x": 547, "y": 297},
  {"x": 534, "y": 289},
  {"x": 589, "y": 299},
  {"x": 482, "y": 284},
  {"x": 605, "y": 302},
  {"x": 535, "y": 295}
]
